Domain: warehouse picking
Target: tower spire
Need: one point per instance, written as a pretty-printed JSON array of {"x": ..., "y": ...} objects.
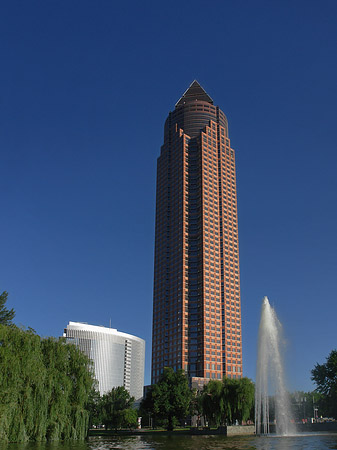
[{"x": 193, "y": 93}]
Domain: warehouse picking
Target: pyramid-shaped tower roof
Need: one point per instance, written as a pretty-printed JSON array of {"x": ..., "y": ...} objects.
[{"x": 193, "y": 93}]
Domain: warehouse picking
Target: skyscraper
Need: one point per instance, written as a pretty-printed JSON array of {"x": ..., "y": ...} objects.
[{"x": 196, "y": 305}]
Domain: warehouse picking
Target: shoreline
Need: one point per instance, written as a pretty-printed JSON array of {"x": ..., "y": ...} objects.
[{"x": 239, "y": 430}]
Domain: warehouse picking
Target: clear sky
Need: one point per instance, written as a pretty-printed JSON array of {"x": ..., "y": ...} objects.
[{"x": 85, "y": 89}]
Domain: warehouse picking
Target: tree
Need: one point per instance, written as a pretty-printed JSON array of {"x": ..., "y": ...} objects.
[
  {"x": 146, "y": 408},
  {"x": 170, "y": 398},
  {"x": 243, "y": 400},
  {"x": 228, "y": 401},
  {"x": 325, "y": 378},
  {"x": 6, "y": 315},
  {"x": 94, "y": 407},
  {"x": 44, "y": 388},
  {"x": 304, "y": 403},
  {"x": 129, "y": 418},
  {"x": 212, "y": 403},
  {"x": 116, "y": 408}
]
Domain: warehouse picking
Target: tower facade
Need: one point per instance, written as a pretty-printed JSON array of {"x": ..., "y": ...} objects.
[{"x": 196, "y": 305}]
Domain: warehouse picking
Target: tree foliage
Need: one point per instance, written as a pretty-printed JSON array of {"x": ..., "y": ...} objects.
[
  {"x": 227, "y": 401},
  {"x": 325, "y": 378},
  {"x": 242, "y": 398},
  {"x": 44, "y": 388},
  {"x": 212, "y": 403},
  {"x": 94, "y": 407},
  {"x": 116, "y": 409},
  {"x": 170, "y": 399},
  {"x": 220, "y": 402},
  {"x": 304, "y": 403},
  {"x": 6, "y": 315}
]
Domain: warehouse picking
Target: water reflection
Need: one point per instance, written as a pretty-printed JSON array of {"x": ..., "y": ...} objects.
[
  {"x": 174, "y": 443},
  {"x": 300, "y": 442}
]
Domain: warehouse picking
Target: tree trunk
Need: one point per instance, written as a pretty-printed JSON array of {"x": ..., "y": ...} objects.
[{"x": 170, "y": 423}]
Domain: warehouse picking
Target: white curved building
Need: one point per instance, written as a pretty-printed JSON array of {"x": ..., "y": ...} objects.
[{"x": 118, "y": 358}]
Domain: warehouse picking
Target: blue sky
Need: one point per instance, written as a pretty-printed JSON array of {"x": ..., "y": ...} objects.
[{"x": 85, "y": 90}]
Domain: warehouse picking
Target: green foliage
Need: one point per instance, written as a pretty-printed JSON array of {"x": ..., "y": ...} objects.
[
  {"x": 94, "y": 407},
  {"x": 242, "y": 398},
  {"x": 170, "y": 399},
  {"x": 115, "y": 409},
  {"x": 130, "y": 418},
  {"x": 146, "y": 409},
  {"x": 325, "y": 378},
  {"x": 303, "y": 404},
  {"x": 227, "y": 401},
  {"x": 220, "y": 402},
  {"x": 212, "y": 403},
  {"x": 6, "y": 315},
  {"x": 44, "y": 388}
]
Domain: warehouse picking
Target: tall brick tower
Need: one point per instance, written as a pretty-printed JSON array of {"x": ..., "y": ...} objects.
[{"x": 196, "y": 304}]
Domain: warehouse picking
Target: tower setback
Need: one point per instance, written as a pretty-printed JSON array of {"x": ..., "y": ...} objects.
[{"x": 196, "y": 304}]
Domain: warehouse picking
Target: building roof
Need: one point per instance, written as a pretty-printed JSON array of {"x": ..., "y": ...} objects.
[
  {"x": 193, "y": 93},
  {"x": 101, "y": 329}
]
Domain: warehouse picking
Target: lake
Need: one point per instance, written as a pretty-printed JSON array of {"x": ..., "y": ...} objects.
[{"x": 299, "y": 442}]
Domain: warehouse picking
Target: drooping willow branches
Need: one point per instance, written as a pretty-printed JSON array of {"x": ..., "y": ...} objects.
[{"x": 44, "y": 388}]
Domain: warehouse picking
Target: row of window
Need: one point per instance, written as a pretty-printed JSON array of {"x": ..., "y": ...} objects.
[{"x": 213, "y": 376}]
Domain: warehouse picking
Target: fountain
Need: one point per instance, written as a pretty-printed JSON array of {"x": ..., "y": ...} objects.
[{"x": 270, "y": 375}]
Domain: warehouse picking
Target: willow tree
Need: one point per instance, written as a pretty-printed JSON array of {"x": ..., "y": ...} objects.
[
  {"x": 227, "y": 401},
  {"x": 212, "y": 403},
  {"x": 44, "y": 388},
  {"x": 242, "y": 399}
]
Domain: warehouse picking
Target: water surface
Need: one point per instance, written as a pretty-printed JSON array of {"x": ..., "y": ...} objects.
[{"x": 300, "y": 442}]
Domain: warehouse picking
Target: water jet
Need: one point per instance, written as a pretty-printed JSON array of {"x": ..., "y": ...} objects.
[{"x": 270, "y": 375}]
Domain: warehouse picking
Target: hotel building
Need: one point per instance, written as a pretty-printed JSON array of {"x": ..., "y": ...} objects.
[
  {"x": 118, "y": 358},
  {"x": 196, "y": 305}
]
